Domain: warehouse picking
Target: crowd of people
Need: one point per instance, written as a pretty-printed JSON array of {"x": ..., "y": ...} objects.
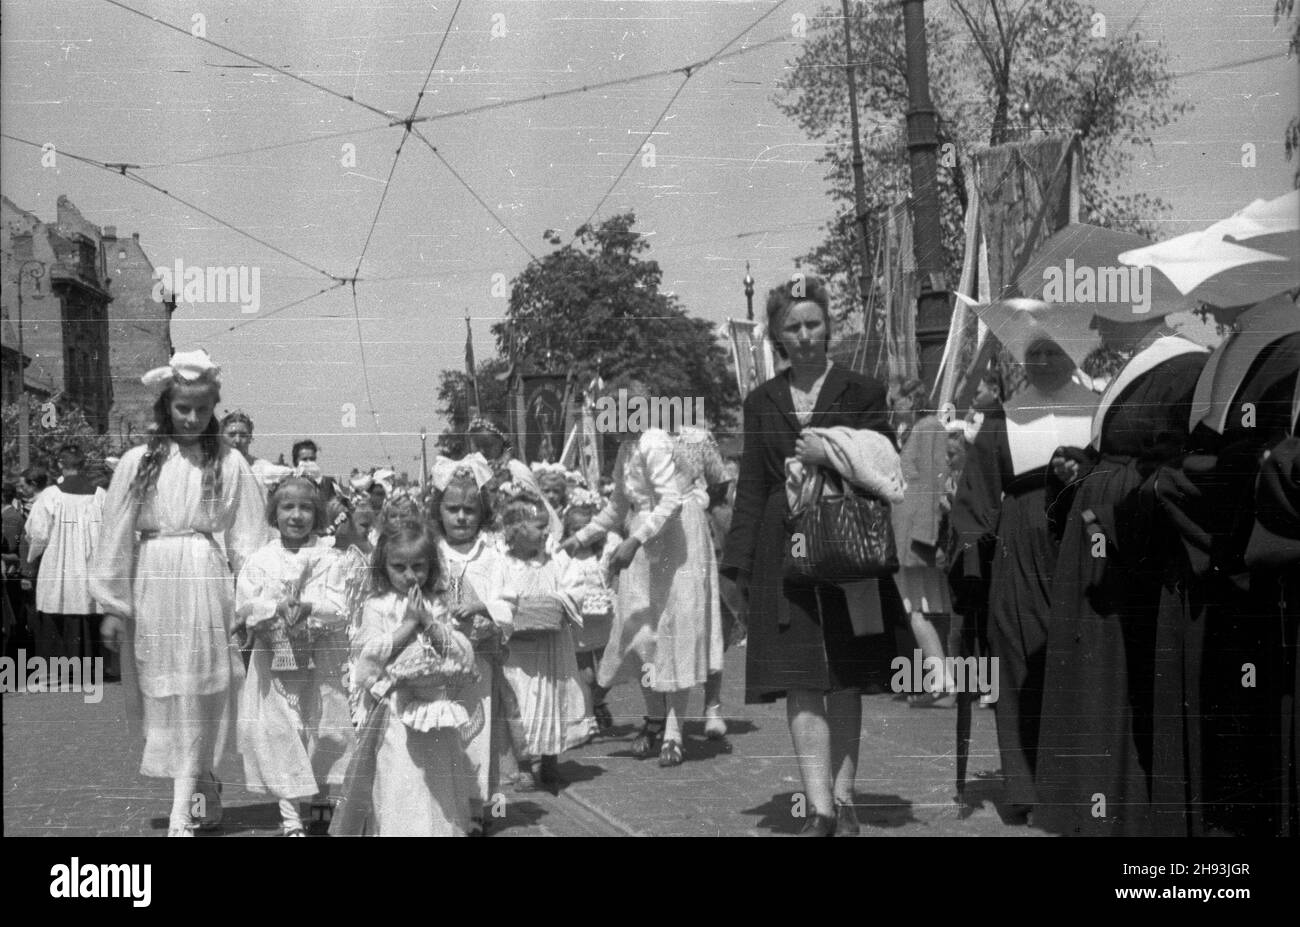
[{"x": 387, "y": 659}]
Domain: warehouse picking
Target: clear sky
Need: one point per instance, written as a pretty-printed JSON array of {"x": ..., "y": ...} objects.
[{"x": 732, "y": 179}]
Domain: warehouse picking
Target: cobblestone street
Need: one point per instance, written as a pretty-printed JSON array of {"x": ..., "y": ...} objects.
[{"x": 71, "y": 768}]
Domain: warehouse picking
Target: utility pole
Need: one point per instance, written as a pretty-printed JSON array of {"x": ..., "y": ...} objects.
[
  {"x": 749, "y": 294},
  {"x": 424, "y": 460},
  {"x": 934, "y": 307}
]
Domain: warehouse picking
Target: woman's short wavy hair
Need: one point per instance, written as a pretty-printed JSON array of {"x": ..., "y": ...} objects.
[{"x": 800, "y": 288}]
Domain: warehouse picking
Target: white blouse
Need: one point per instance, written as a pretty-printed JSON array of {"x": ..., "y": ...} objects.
[{"x": 645, "y": 480}]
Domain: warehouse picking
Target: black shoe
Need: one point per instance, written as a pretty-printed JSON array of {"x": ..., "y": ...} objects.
[
  {"x": 604, "y": 718},
  {"x": 646, "y": 742},
  {"x": 846, "y": 820},
  {"x": 818, "y": 825},
  {"x": 548, "y": 773}
]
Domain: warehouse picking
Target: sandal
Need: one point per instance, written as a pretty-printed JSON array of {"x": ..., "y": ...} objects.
[
  {"x": 671, "y": 754},
  {"x": 292, "y": 830},
  {"x": 604, "y": 718},
  {"x": 180, "y": 827},
  {"x": 646, "y": 742},
  {"x": 526, "y": 781}
]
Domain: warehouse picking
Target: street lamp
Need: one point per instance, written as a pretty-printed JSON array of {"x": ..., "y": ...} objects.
[
  {"x": 749, "y": 293},
  {"x": 424, "y": 460},
  {"x": 35, "y": 270}
]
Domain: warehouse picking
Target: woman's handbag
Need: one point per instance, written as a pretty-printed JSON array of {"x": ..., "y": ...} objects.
[{"x": 839, "y": 534}]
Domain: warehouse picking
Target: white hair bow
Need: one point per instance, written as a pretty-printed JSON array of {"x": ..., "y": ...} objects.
[
  {"x": 361, "y": 483},
  {"x": 185, "y": 367},
  {"x": 445, "y": 469}
]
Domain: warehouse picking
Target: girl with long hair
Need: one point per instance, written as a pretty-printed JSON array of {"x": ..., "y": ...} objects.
[{"x": 166, "y": 583}]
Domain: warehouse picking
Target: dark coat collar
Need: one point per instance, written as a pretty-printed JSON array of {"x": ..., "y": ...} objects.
[{"x": 778, "y": 389}]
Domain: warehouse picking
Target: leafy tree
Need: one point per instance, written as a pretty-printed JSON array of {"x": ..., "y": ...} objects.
[
  {"x": 52, "y": 424},
  {"x": 594, "y": 308},
  {"x": 454, "y": 400},
  {"x": 1284, "y": 8},
  {"x": 998, "y": 70}
]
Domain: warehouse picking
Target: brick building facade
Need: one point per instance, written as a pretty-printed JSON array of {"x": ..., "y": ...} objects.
[{"x": 90, "y": 326}]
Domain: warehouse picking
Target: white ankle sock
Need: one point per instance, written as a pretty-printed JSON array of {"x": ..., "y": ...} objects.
[
  {"x": 183, "y": 792},
  {"x": 289, "y": 813}
]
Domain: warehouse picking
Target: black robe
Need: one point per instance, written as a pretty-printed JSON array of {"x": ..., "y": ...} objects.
[
  {"x": 1094, "y": 745},
  {"x": 999, "y": 517},
  {"x": 799, "y": 637},
  {"x": 1215, "y": 750},
  {"x": 1273, "y": 555}
]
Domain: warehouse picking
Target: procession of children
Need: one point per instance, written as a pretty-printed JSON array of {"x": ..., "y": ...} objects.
[{"x": 381, "y": 669}]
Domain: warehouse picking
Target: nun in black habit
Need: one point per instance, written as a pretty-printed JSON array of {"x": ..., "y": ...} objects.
[
  {"x": 999, "y": 507},
  {"x": 1094, "y": 746},
  {"x": 1273, "y": 555},
  {"x": 1218, "y": 642}
]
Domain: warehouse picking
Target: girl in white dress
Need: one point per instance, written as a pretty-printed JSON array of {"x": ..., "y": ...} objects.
[
  {"x": 354, "y": 541},
  {"x": 169, "y": 596},
  {"x": 585, "y": 577},
  {"x": 541, "y": 667},
  {"x": 295, "y": 730},
  {"x": 480, "y": 599},
  {"x": 418, "y": 781},
  {"x": 666, "y": 630}
]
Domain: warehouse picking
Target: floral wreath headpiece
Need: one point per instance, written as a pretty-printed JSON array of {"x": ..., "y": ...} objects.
[
  {"x": 518, "y": 492},
  {"x": 482, "y": 424},
  {"x": 576, "y": 479},
  {"x": 582, "y": 498}
]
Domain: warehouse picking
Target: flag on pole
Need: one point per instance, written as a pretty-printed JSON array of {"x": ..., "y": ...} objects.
[
  {"x": 469, "y": 364},
  {"x": 589, "y": 446},
  {"x": 752, "y": 354}
]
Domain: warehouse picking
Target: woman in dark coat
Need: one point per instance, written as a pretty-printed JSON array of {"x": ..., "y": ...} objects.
[{"x": 802, "y": 645}]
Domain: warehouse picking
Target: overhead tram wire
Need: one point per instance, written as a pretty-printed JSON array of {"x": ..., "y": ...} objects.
[
  {"x": 436, "y": 55},
  {"x": 261, "y": 317},
  {"x": 406, "y": 133},
  {"x": 688, "y": 72},
  {"x": 234, "y": 228},
  {"x": 365, "y": 376},
  {"x": 374, "y": 222},
  {"x": 125, "y": 170},
  {"x": 474, "y": 193},
  {"x": 601, "y": 85},
  {"x": 310, "y": 83},
  {"x": 345, "y": 133},
  {"x": 500, "y": 104},
  {"x": 637, "y": 151},
  {"x": 533, "y": 98}
]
